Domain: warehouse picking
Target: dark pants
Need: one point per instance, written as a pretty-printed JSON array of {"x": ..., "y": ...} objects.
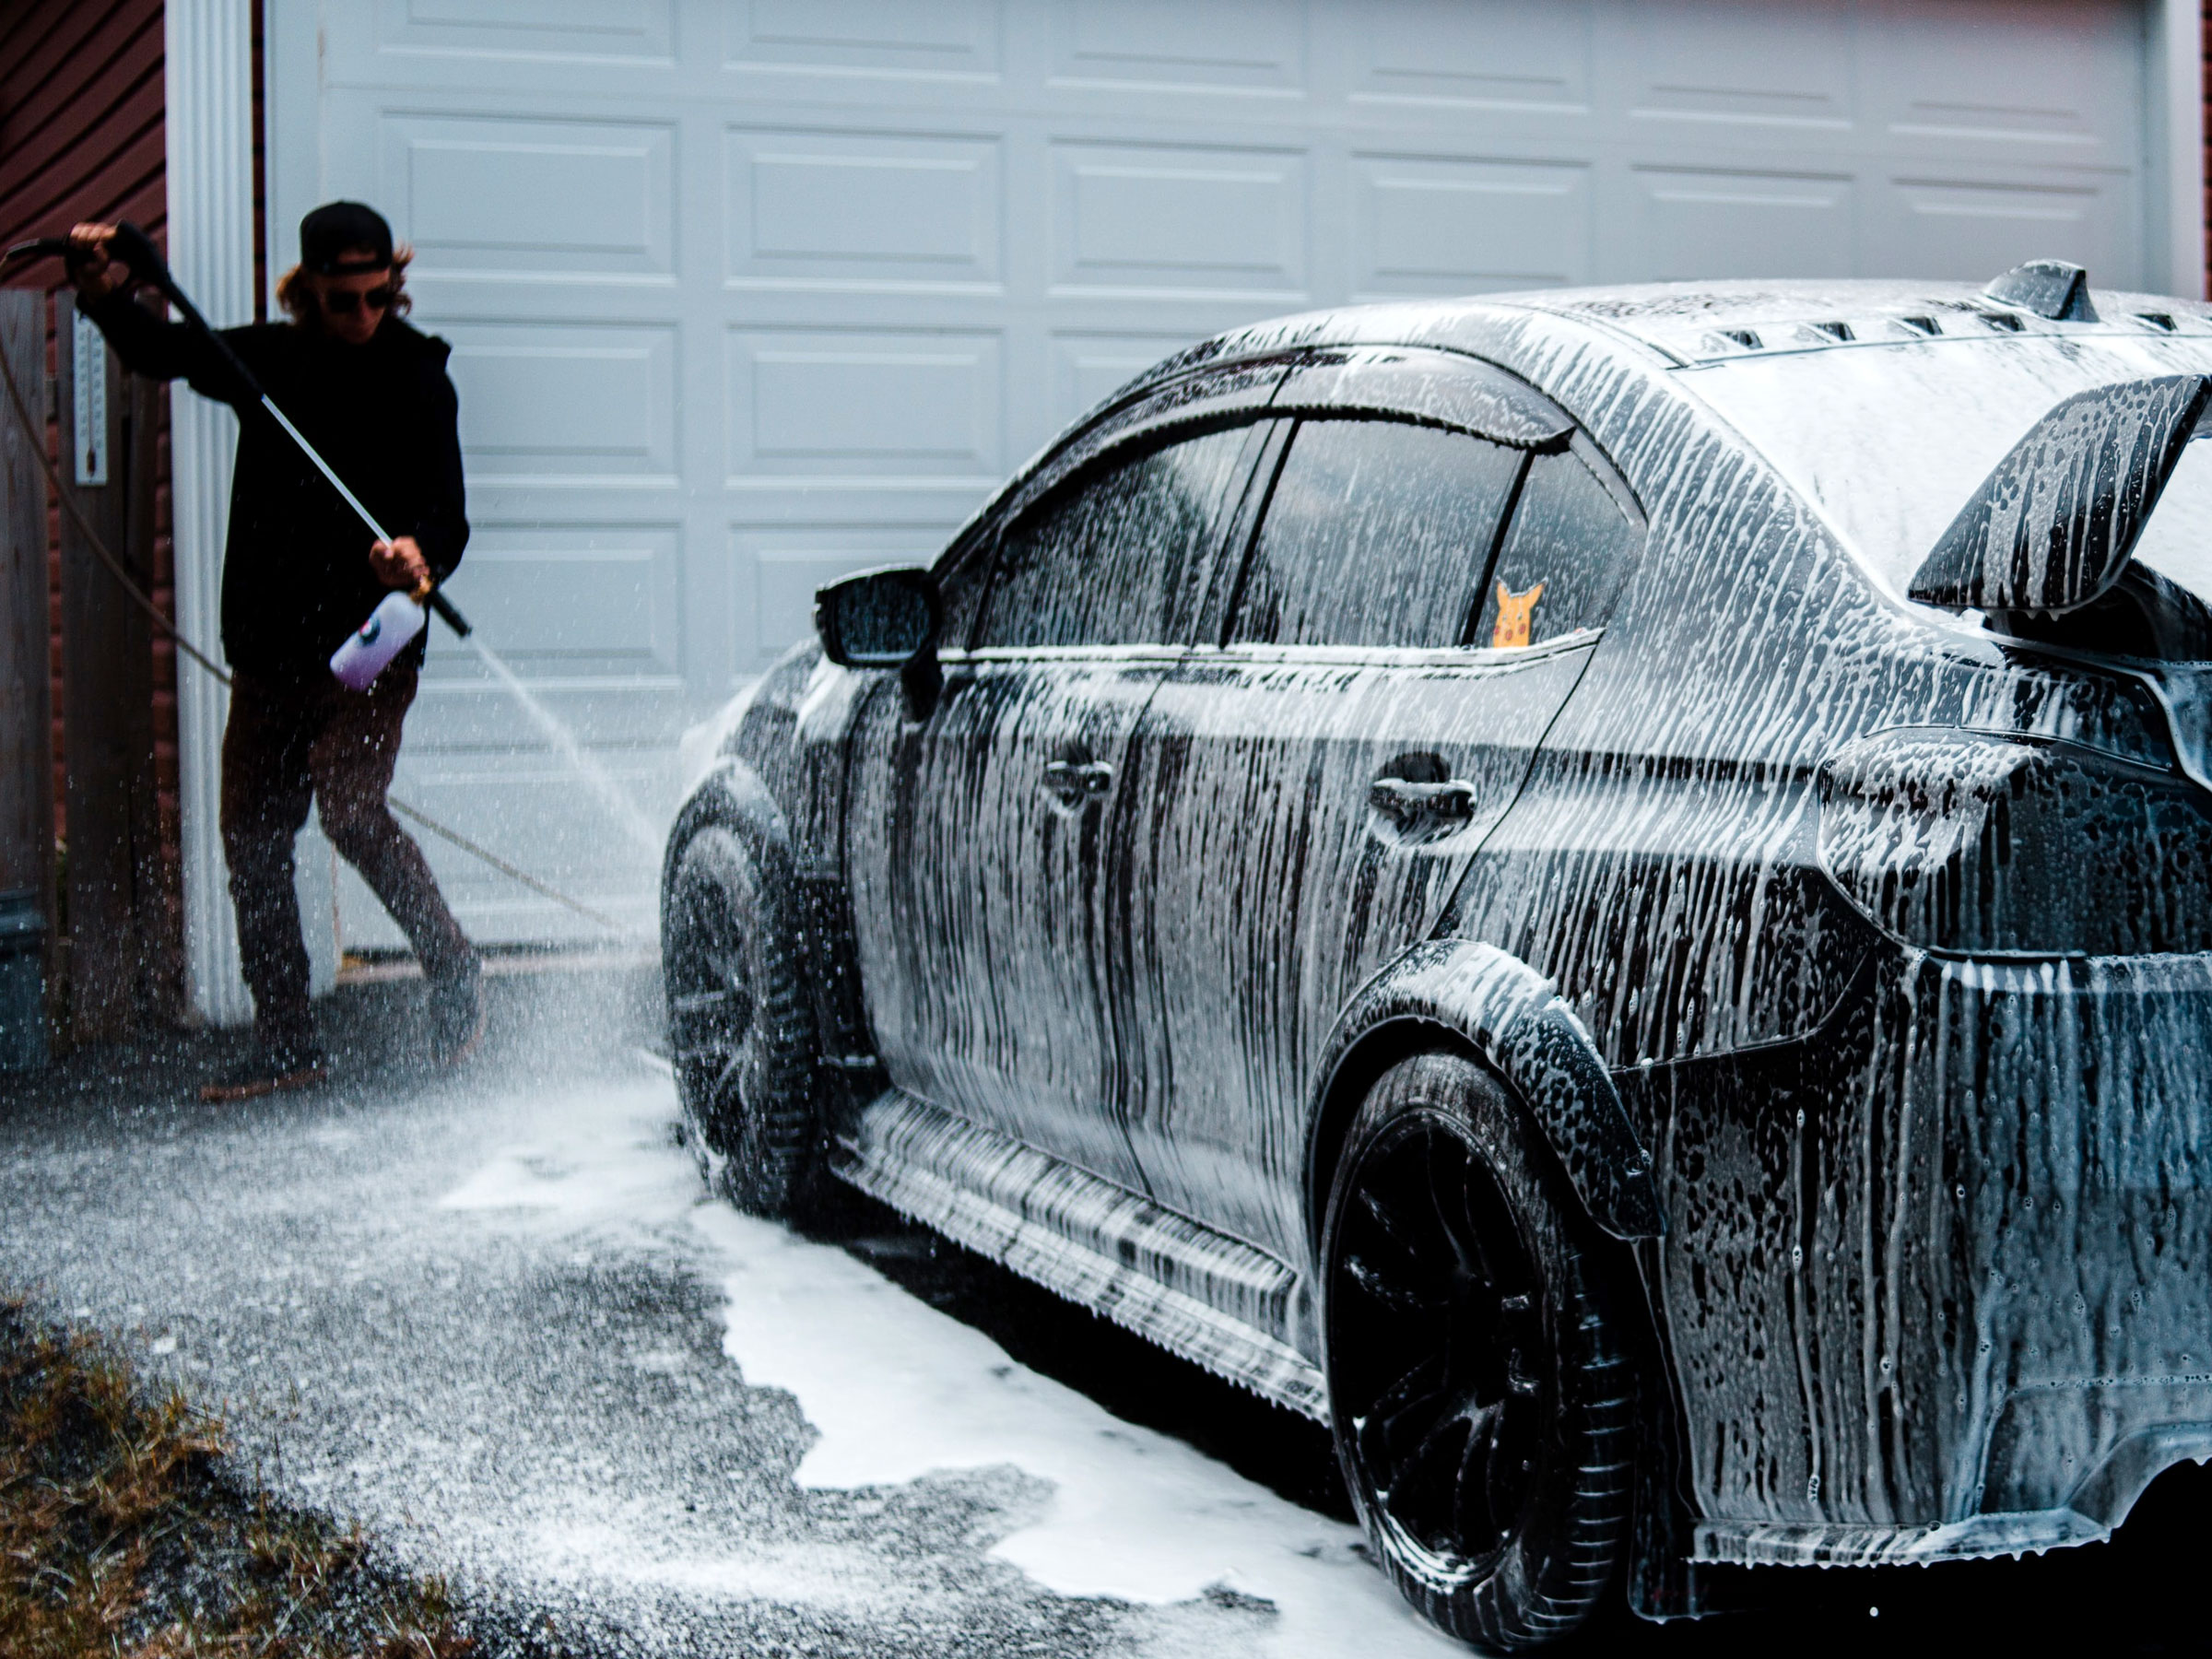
[{"x": 284, "y": 744}]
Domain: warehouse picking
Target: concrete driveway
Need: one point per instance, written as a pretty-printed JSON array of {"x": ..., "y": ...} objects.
[{"x": 493, "y": 1316}]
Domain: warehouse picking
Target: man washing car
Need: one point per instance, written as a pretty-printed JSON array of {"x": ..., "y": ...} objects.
[{"x": 298, "y": 576}]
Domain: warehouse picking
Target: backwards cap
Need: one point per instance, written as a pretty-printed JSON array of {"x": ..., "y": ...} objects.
[{"x": 337, "y": 228}]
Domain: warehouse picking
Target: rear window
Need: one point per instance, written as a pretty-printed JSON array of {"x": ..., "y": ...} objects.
[
  {"x": 1376, "y": 533},
  {"x": 2177, "y": 543}
]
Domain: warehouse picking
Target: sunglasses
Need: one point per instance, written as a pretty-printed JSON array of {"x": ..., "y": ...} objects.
[{"x": 344, "y": 303}]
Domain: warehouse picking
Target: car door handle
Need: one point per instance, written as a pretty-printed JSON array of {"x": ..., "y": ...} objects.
[
  {"x": 1072, "y": 781},
  {"x": 1407, "y": 802}
]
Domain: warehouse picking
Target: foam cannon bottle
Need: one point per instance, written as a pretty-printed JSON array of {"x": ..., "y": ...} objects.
[{"x": 392, "y": 626}]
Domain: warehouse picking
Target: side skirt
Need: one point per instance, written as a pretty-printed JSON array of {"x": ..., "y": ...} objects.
[
  {"x": 1159, "y": 1274},
  {"x": 1812, "y": 1543}
]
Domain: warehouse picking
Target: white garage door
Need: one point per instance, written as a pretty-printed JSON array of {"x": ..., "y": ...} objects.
[{"x": 745, "y": 295}]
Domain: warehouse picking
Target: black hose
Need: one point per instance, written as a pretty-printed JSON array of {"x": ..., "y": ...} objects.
[{"x": 44, "y": 247}]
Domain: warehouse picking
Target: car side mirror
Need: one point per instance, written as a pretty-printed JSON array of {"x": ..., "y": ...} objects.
[
  {"x": 2056, "y": 520},
  {"x": 887, "y": 618}
]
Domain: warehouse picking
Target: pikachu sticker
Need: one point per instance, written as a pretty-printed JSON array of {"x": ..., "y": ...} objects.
[{"x": 1517, "y": 617}]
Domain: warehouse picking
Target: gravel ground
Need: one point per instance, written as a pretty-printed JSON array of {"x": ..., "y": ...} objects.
[{"x": 490, "y": 1315}]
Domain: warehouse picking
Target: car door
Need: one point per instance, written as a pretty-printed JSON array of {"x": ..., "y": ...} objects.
[
  {"x": 980, "y": 837},
  {"x": 1416, "y": 604}
]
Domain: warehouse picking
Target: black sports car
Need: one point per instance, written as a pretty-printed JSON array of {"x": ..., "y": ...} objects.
[{"x": 1608, "y": 891}]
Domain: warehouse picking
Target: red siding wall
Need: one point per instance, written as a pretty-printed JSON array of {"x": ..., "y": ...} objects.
[
  {"x": 80, "y": 115},
  {"x": 81, "y": 138}
]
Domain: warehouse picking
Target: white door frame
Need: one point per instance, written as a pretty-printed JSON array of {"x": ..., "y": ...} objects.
[{"x": 208, "y": 133}]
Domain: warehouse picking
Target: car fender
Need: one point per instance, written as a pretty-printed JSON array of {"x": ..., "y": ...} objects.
[
  {"x": 1516, "y": 1023},
  {"x": 732, "y": 797}
]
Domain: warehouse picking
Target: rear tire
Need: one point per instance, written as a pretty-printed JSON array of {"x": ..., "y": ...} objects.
[
  {"x": 1478, "y": 1380},
  {"x": 739, "y": 1029}
]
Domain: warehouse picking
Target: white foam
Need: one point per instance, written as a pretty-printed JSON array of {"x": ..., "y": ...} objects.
[{"x": 897, "y": 1390}]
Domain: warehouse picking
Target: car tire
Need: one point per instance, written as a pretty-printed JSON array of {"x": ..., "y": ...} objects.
[
  {"x": 740, "y": 1033},
  {"x": 1478, "y": 1376}
]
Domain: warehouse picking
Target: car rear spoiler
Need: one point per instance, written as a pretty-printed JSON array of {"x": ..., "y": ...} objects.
[{"x": 2056, "y": 520}]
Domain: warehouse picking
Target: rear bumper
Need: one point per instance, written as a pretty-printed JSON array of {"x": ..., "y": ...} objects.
[{"x": 1997, "y": 1284}]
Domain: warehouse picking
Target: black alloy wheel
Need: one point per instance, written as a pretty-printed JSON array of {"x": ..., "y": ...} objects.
[
  {"x": 739, "y": 1030},
  {"x": 1478, "y": 1382}
]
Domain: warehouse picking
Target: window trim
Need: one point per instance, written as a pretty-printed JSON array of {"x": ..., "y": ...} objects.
[{"x": 1434, "y": 658}]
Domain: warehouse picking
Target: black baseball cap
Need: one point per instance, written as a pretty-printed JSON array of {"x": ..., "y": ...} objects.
[{"x": 337, "y": 228}]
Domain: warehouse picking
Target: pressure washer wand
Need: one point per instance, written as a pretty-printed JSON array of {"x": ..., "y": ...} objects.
[{"x": 137, "y": 251}]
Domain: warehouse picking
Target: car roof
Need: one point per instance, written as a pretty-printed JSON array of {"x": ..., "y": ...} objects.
[
  {"x": 1686, "y": 323},
  {"x": 1708, "y": 322}
]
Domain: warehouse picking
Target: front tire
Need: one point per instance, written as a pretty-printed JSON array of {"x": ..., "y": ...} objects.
[
  {"x": 739, "y": 1029},
  {"x": 1479, "y": 1379}
]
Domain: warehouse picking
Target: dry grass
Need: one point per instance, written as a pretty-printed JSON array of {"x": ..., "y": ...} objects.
[{"x": 119, "y": 1538}]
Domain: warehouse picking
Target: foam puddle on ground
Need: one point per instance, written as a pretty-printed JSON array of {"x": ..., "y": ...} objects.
[{"x": 897, "y": 1390}]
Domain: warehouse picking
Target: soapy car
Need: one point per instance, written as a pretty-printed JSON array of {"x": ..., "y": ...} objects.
[{"x": 1608, "y": 891}]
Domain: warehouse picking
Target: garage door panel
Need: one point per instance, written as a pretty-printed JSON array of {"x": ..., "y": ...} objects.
[
  {"x": 1734, "y": 64},
  {"x": 1088, "y": 367},
  {"x": 1434, "y": 225},
  {"x": 1245, "y": 45},
  {"x": 462, "y": 709},
  {"x": 878, "y": 402},
  {"x": 2058, "y": 82},
  {"x": 1485, "y": 55},
  {"x": 1966, "y": 229},
  {"x": 894, "y": 211},
  {"x": 601, "y": 31},
  {"x": 563, "y": 403},
  {"x": 1738, "y": 222},
  {"x": 1175, "y": 219},
  {"x": 582, "y": 197},
  {"x": 544, "y": 822},
  {"x": 576, "y": 599},
  {"x": 957, "y": 37}
]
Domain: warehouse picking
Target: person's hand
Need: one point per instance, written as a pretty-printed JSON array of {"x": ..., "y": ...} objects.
[
  {"x": 96, "y": 275},
  {"x": 399, "y": 563}
]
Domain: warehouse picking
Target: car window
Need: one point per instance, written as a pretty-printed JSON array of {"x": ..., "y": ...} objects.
[
  {"x": 1568, "y": 551},
  {"x": 1376, "y": 533},
  {"x": 1121, "y": 558}
]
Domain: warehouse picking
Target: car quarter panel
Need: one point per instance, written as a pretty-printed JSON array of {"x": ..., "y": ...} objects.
[{"x": 1961, "y": 1281}]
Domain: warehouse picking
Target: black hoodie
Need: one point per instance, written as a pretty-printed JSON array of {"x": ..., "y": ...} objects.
[{"x": 296, "y": 575}]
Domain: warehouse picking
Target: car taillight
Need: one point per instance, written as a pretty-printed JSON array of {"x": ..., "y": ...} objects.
[{"x": 1976, "y": 844}]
